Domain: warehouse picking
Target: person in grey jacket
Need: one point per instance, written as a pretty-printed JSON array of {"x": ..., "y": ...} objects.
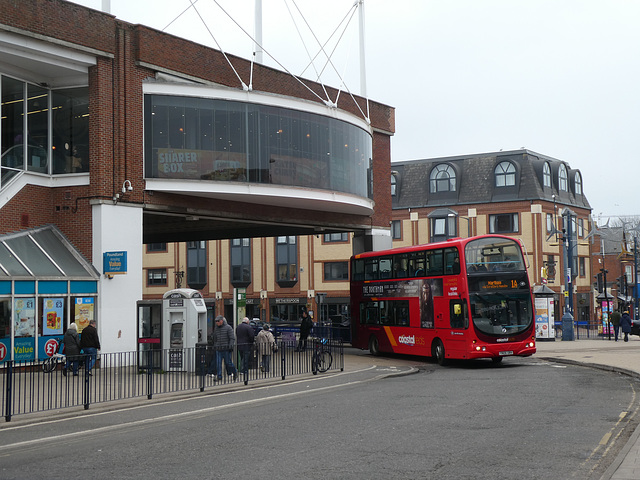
[
  {"x": 224, "y": 340},
  {"x": 71, "y": 349}
]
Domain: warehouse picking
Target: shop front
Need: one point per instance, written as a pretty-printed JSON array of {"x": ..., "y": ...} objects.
[{"x": 44, "y": 285}]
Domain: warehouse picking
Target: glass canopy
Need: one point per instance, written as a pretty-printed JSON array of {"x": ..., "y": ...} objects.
[{"x": 44, "y": 254}]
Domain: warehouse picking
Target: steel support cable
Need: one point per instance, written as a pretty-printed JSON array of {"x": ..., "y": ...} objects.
[
  {"x": 365, "y": 116},
  {"x": 286, "y": 70},
  {"x": 318, "y": 75},
  {"x": 193, "y": 5},
  {"x": 330, "y": 37}
]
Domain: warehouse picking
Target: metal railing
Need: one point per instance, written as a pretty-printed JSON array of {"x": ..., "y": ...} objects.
[{"x": 28, "y": 388}]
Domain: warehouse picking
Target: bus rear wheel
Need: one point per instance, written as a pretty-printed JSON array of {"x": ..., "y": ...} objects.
[
  {"x": 374, "y": 346},
  {"x": 438, "y": 352}
]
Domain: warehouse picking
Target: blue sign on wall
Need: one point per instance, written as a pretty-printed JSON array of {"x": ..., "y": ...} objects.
[{"x": 114, "y": 263}]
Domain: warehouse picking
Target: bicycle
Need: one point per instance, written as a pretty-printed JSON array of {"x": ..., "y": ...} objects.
[
  {"x": 50, "y": 364},
  {"x": 322, "y": 358}
]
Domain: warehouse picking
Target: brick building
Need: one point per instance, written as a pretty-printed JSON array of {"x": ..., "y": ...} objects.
[{"x": 121, "y": 135}]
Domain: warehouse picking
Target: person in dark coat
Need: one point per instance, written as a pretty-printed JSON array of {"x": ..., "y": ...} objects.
[
  {"x": 625, "y": 324},
  {"x": 615, "y": 321},
  {"x": 224, "y": 341},
  {"x": 71, "y": 349},
  {"x": 90, "y": 344},
  {"x": 245, "y": 337},
  {"x": 305, "y": 328}
]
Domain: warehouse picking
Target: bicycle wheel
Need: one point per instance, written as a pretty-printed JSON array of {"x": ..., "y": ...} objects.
[
  {"x": 323, "y": 361},
  {"x": 49, "y": 365}
]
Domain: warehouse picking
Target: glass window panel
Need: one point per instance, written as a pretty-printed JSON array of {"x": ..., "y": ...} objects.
[
  {"x": 67, "y": 261},
  {"x": 70, "y": 127},
  {"x": 8, "y": 261},
  {"x": 12, "y": 123},
  {"x": 32, "y": 256},
  {"x": 37, "y": 129}
]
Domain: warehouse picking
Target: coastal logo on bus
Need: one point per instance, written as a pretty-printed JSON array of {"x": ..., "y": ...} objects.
[{"x": 407, "y": 340}]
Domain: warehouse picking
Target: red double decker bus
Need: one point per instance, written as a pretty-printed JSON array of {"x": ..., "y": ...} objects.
[{"x": 464, "y": 298}]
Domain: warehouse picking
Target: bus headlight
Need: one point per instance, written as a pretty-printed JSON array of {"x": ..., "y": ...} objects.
[{"x": 480, "y": 349}]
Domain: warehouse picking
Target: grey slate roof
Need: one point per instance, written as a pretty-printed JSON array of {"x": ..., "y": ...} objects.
[{"x": 475, "y": 181}]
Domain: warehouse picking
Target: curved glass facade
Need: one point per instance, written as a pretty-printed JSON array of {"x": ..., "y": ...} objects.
[{"x": 223, "y": 140}]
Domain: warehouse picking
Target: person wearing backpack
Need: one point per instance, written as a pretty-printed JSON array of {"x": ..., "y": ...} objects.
[{"x": 266, "y": 344}]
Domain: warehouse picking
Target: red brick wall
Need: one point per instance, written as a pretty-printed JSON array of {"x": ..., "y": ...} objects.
[{"x": 116, "y": 121}]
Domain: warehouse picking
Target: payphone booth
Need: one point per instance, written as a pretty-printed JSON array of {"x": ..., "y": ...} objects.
[{"x": 184, "y": 323}]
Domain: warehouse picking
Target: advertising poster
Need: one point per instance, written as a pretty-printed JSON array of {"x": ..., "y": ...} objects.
[
  {"x": 5, "y": 347},
  {"x": 47, "y": 347},
  {"x": 606, "y": 327},
  {"x": 83, "y": 312},
  {"x": 201, "y": 164},
  {"x": 52, "y": 315},
  {"x": 24, "y": 317},
  {"x": 23, "y": 349},
  {"x": 543, "y": 324}
]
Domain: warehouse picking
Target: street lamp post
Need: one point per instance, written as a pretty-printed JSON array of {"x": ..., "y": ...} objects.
[{"x": 567, "y": 317}]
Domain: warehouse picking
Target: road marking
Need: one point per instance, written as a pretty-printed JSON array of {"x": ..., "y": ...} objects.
[{"x": 182, "y": 414}]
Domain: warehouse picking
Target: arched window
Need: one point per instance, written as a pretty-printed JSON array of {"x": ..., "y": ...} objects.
[
  {"x": 562, "y": 178},
  {"x": 442, "y": 179},
  {"x": 578, "y": 179},
  {"x": 505, "y": 174},
  {"x": 546, "y": 175},
  {"x": 393, "y": 185}
]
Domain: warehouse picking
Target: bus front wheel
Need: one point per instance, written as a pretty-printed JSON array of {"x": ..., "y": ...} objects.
[
  {"x": 438, "y": 353},
  {"x": 374, "y": 346}
]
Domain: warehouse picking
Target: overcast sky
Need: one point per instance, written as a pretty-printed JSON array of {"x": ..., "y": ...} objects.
[{"x": 559, "y": 77}]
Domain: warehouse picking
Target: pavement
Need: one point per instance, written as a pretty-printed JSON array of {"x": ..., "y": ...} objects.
[
  {"x": 623, "y": 357},
  {"x": 594, "y": 352}
]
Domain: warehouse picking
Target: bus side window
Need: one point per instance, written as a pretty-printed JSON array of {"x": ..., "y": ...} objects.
[
  {"x": 385, "y": 268},
  {"x": 452, "y": 261},
  {"x": 400, "y": 266},
  {"x": 459, "y": 314},
  {"x": 371, "y": 269},
  {"x": 434, "y": 262},
  {"x": 357, "y": 270}
]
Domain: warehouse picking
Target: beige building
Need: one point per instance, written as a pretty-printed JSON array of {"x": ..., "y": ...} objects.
[{"x": 521, "y": 194}]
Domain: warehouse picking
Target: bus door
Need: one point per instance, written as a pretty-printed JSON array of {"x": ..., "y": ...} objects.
[{"x": 459, "y": 326}]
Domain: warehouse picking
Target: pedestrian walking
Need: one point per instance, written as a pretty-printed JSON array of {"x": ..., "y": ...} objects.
[
  {"x": 266, "y": 345},
  {"x": 245, "y": 337},
  {"x": 223, "y": 342},
  {"x": 305, "y": 328},
  {"x": 71, "y": 349},
  {"x": 90, "y": 344},
  {"x": 625, "y": 323},
  {"x": 615, "y": 321}
]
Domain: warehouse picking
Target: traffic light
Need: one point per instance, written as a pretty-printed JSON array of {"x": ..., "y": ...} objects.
[{"x": 599, "y": 282}]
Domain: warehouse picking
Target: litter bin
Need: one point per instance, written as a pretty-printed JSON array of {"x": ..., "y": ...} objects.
[
  {"x": 202, "y": 358},
  {"x": 567, "y": 327}
]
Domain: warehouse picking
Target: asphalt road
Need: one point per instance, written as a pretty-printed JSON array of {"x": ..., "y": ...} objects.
[{"x": 525, "y": 418}]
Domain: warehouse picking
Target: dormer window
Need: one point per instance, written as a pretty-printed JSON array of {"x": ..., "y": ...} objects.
[
  {"x": 562, "y": 178},
  {"x": 546, "y": 175},
  {"x": 442, "y": 179},
  {"x": 505, "y": 174},
  {"x": 393, "y": 185},
  {"x": 578, "y": 180}
]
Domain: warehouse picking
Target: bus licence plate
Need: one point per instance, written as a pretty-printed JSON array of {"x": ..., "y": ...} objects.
[{"x": 504, "y": 354}]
